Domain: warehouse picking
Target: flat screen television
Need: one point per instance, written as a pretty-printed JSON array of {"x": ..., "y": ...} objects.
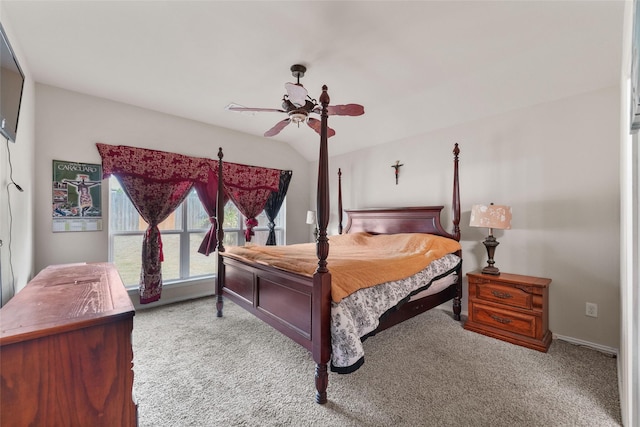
[{"x": 11, "y": 85}]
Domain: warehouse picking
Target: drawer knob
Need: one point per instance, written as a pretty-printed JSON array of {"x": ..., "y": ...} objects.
[
  {"x": 503, "y": 295},
  {"x": 500, "y": 319}
]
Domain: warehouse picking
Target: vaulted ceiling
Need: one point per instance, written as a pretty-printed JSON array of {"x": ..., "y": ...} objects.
[{"x": 416, "y": 66}]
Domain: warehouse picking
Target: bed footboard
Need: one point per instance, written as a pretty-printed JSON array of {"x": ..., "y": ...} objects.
[{"x": 282, "y": 300}]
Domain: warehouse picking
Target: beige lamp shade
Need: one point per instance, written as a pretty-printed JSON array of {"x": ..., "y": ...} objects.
[
  {"x": 491, "y": 216},
  {"x": 311, "y": 217}
]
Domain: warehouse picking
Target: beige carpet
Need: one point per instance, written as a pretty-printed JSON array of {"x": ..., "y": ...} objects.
[{"x": 193, "y": 369}]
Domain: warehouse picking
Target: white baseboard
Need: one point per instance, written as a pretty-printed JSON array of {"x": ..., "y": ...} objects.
[
  {"x": 599, "y": 347},
  {"x": 176, "y": 292}
]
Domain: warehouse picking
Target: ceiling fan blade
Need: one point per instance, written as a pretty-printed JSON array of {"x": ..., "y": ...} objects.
[
  {"x": 240, "y": 108},
  {"x": 345, "y": 110},
  {"x": 278, "y": 127},
  {"x": 297, "y": 94},
  {"x": 315, "y": 124}
]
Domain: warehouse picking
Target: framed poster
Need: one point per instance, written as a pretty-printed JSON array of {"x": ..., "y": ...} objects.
[{"x": 76, "y": 196}]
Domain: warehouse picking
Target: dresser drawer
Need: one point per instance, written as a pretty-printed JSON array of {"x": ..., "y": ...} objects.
[
  {"x": 503, "y": 294},
  {"x": 518, "y": 323}
]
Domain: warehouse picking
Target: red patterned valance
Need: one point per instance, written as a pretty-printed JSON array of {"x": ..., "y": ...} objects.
[
  {"x": 164, "y": 166},
  {"x": 241, "y": 178},
  {"x": 153, "y": 164}
]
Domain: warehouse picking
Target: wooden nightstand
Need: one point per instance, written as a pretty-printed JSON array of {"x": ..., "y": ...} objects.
[{"x": 510, "y": 307}]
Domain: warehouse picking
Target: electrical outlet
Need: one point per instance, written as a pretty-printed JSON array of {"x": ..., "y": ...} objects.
[{"x": 591, "y": 310}]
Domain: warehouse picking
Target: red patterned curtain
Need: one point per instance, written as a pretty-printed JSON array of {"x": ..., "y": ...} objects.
[
  {"x": 208, "y": 195},
  {"x": 154, "y": 202},
  {"x": 156, "y": 182},
  {"x": 249, "y": 187}
]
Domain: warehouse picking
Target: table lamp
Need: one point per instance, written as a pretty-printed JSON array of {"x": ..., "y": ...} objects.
[{"x": 491, "y": 216}]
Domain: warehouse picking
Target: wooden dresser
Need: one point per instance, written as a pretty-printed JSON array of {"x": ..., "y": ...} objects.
[
  {"x": 510, "y": 307},
  {"x": 66, "y": 355}
]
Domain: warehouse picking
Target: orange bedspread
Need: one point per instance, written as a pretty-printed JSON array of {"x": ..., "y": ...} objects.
[{"x": 356, "y": 261}]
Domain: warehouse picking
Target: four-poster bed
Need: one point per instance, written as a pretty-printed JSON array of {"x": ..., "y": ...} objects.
[{"x": 300, "y": 305}]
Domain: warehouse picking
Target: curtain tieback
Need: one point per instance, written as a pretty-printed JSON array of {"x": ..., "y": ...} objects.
[
  {"x": 250, "y": 223},
  {"x": 159, "y": 242}
]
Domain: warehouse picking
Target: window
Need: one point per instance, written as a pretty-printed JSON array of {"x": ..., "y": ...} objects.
[{"x": 182, "y": 232}]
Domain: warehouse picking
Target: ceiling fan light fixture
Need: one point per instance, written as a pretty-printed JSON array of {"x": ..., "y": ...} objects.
[{"x": 298, "y": 117}]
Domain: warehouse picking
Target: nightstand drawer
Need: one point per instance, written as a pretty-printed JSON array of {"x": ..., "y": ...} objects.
[
  {"x": 505, "y": 320},
  {"x": 502, "y": 294}
]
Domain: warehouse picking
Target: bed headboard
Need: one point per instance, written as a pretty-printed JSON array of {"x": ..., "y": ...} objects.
[{"x": 421, "y": 219}]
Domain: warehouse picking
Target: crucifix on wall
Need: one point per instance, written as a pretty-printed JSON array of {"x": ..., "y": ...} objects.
[{"x": 397, "y": 169}]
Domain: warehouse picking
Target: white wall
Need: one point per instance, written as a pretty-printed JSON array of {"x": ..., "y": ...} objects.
[
  {"x": 556, "y": 164},
  {"x": 68, "y": 126},
  {"x": 17, "y": 208}
]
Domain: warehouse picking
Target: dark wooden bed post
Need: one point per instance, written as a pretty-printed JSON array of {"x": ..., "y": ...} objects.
[
  {"x": 457, "y": 300},
  {"x": 339, "y": 201},
  {"x": 456, "y": 194},
  {"x": 220, "y": 235},
  {"x": 321, "y": 305}
]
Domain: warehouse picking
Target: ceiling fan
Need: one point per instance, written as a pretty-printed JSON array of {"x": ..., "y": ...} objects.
[{"x": 298, "y": 106}]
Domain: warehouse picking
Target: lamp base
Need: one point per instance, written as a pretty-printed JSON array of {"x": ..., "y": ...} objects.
[
  {"x": 491, "y": 270},
  {"x": 491, "y": 243}
]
